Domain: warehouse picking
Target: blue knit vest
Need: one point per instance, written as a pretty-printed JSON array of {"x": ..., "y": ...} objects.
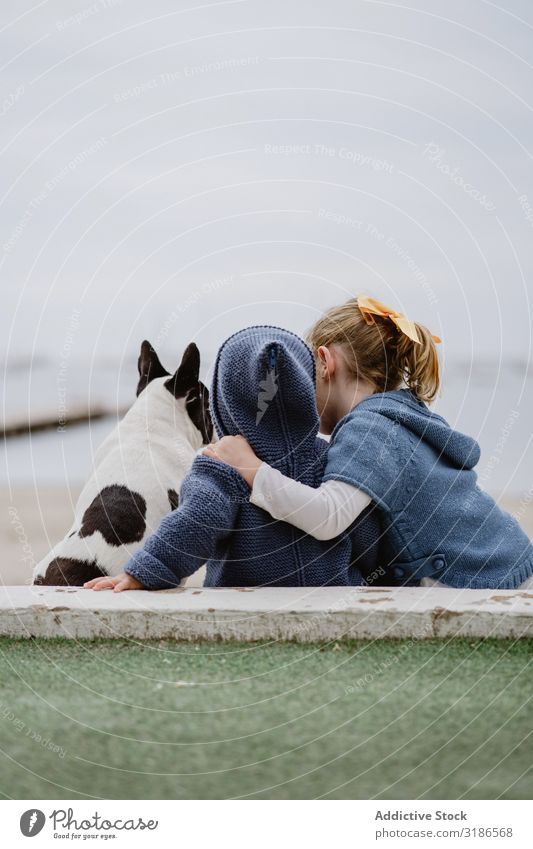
[{"x": 420, "y": 473}]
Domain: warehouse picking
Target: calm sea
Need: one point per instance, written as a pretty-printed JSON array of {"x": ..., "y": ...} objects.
[{"x": 493, "y": 403}]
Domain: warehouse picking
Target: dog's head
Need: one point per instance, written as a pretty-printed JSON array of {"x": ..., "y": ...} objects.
[{"x": 185, "y": 384}]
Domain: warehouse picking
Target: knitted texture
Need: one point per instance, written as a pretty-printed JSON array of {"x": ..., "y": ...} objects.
[
  {"x": 437, "y": 522},
  {"x": 263, "y": 388}
]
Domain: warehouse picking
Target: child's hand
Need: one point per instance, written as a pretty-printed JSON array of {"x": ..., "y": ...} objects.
[
  {"x": 235, "y": 451},
  {"x": 117, "y": 584}
]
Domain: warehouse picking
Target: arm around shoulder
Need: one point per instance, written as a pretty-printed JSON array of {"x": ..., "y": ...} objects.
[{"x": 323, "y": 512}]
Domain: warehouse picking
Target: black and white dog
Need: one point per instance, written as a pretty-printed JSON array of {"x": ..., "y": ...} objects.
[{"x": 138, "y": 471}]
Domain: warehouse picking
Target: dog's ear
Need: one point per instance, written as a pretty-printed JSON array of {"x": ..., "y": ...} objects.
[
  {"x": 188, "y": 373},
  {"x": 149, "y": 366}
]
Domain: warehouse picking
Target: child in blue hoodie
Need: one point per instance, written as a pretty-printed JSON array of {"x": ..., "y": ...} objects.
[
  {"x": 388, "y": 449},
  {"x": 263, "y": 388}
]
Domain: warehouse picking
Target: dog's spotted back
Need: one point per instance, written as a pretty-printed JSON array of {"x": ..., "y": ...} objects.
[{"x": 138, "y": 472}]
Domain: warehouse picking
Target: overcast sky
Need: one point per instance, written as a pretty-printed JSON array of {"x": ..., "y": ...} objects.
[{"x": 177, "y": 170}]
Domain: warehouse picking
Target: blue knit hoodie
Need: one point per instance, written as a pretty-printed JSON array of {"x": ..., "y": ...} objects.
[
  {"x": 263, "y": 389},
  {"x": 420, "y": 472}
]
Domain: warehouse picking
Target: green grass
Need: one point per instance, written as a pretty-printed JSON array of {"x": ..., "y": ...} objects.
[{"x": 431, "y": 720}]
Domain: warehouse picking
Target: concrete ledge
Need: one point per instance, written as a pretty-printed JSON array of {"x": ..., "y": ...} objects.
[{"x": 296, "y": 614}]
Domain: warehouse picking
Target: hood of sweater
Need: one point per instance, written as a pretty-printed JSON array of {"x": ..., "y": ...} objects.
[
  {"x": 264, "y": 389},
  {"x": 403, "y": 407}
]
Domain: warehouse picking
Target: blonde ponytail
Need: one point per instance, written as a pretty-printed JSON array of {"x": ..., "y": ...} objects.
[{"x": 419, "y": 364}]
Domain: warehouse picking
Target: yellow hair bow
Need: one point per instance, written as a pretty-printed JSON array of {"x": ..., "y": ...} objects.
[{"x": 370, "y": 307}]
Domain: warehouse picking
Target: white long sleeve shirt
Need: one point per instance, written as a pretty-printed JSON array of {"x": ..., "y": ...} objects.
[{"x": 324, "y": 513}]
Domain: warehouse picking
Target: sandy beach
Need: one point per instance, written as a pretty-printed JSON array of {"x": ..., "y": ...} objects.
[{"x": 34, "y": 520}]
